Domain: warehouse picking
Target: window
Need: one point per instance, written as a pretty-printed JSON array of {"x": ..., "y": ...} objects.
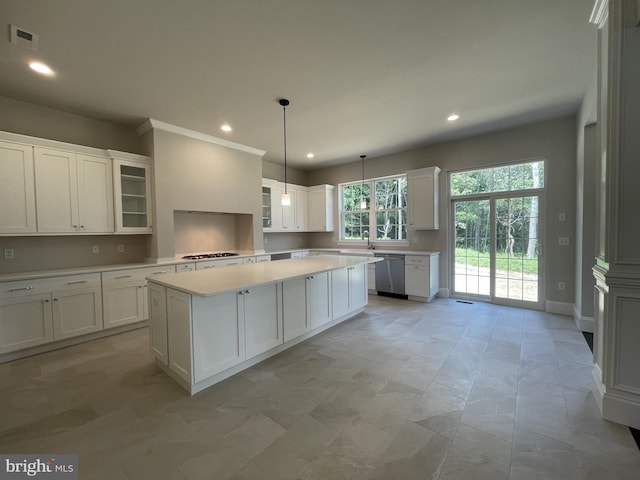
[
  {"x": 508, "y": 178},
  {"x": 386, "y": 216}
]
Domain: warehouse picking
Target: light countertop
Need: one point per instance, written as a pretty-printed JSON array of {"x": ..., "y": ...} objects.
[{"x": 237, "y": 277}]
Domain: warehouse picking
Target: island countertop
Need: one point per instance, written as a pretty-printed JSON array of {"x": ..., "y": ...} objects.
[{"x": 214, "y": 281}]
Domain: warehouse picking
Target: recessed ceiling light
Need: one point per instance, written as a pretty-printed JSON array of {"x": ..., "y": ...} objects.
[
  {"x": 41, "y": 68},
  {"x": 453, "y": 118},
  {"x": 226, "y": 128},
  {"x": 310, "y": 155}
]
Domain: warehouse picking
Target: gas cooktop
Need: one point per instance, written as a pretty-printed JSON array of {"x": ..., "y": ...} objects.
[{"x": 209, "y": 255}]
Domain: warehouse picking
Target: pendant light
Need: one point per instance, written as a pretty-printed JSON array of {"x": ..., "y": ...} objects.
[
  {"x": 286, "y": 198},
  {"x": 363, "y": 202}
]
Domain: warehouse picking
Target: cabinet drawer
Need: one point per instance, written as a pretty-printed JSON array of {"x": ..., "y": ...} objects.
[
  {"x": 416, "y": 260},
  {"x": 74, "y": 282},
  {"x": 20, "y": 288},
  {"x": 135, "y": 274},
  {"x": 219, "y": 263}
]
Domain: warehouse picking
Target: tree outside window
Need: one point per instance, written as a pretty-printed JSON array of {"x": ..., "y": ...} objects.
[{"x": 386, "y": 216}]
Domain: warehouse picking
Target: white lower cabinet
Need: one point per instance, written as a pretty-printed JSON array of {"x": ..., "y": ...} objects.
[
  {"x": 25, "y": 322},
  {"x": 371, "y": 277},
  {"x": 218, "y": 334},
  {"x": 306, "y": 304},
  {"x": 209, "y": 338},
  {"x": 179, "y": 333},
  {"x": 76, "y": 312},
  {"x": 36, "y": 312},
  {"x": 125, "y": 295},
  {"x": 262, "y": 318},
  {"x": 123, "y": 303},
  {"x": 185, "y": 267},
  {"x": 232, "y": 327},
  {"x": 319, "y": 299},
  {"x": 348, "y": 290},
  {"x": 294, "y": 308},
  {"x": 421, "y": 275},
  {"x": 158, "y": 328}
]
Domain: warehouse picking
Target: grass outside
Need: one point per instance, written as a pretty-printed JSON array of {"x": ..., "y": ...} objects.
[{"x": 516, "y": 263}]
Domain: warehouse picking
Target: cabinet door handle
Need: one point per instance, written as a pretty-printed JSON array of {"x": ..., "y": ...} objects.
[
  {"x": 21, "y": 289},
  {"x": 123, "y": 276},
  {"x": 158, "y": 273},
  {"x": 209, "y": 266},
  {"x": 75, "y": 283},
  {"x": 140, "y": 286}
]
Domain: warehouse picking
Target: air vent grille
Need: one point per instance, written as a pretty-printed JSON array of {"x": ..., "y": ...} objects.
[{"x": 23, "y": 38}]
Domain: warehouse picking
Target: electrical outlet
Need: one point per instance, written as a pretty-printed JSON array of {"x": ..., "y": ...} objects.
[
  {"x": 120, "y": 248},
  {"x": 562, "y": 286},
  {"x": 95, "y": 248},
  {"x": 9, "y": 254},
  {"x": 564, "y": 241},
  {"x": 562, "y": 217}
]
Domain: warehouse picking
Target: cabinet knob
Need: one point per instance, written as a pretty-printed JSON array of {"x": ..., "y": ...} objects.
[
  {"x": 75, "y": 227},
  {"x": 46, "y": 301},
  {"x": 55, "y": 299}
]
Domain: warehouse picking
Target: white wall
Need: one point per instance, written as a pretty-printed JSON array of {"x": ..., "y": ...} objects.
[
  {"x": 195, "y": 175},
  {"x": 554, "y": 140}
]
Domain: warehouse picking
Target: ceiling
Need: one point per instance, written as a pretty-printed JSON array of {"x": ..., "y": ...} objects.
[{"x": 363, "y": 76}]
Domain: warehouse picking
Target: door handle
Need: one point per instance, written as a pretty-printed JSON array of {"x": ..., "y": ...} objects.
[{"x": 21, "y": 289}]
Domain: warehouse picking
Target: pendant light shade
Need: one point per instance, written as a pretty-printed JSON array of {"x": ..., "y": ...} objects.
[
  {"x": 363, "y": 202},
  {"x": 286, "y": 198}
]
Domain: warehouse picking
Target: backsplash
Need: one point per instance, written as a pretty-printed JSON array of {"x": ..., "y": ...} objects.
[{"x": 54, "y": 252}]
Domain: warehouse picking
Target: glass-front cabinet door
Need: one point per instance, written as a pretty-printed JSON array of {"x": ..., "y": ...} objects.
[
  {"x": 266, "y": 207},
  {"x": 132, "y": 182}
]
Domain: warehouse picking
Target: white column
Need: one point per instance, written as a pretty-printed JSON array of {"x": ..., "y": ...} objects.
[{"x": 617, "y": 271}]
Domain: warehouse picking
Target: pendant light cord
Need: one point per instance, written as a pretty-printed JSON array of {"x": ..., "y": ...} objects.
[{"x": 284, "y": 121}]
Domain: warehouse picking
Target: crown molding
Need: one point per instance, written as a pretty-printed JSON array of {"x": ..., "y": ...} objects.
[
  {"x": 185, "y": 132},
  {"x": 600, "y": 12}
]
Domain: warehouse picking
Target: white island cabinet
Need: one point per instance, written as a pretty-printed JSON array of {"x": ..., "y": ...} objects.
[{"x": 210, "y": 324}]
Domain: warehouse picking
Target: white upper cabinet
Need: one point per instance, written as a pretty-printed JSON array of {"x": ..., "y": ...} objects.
[
  {"x": 73, "y": 192},
  {"x": 95, "y": 194},
  {"x": 132, "y": 193},
  {"x": 321, "y": 208},
  {"x": 57, "y": 191},
  {"x": 17, "y": 193},
  {"x": 423, "y": 198},
  {"x": 299, "y": 198}
]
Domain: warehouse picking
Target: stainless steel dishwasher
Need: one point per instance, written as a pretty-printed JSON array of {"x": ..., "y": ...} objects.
[{"x": 390, "y": 274}]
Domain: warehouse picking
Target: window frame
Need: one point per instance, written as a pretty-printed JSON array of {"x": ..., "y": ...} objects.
[{"x": 372, "y": 214}]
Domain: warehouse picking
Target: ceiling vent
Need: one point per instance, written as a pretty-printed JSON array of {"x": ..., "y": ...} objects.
[{"x": 23, "y": 38}]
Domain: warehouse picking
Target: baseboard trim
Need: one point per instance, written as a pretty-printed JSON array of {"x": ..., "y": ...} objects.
[
  {"x": 443, "y": 293},
  {"x": 561, "y": 308},
  {"x": 585, "y": 324},
  {"x": 624, "y": 411}
]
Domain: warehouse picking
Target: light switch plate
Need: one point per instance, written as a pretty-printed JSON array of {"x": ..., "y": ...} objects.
[
  {"x": 9, "y": 254},
  {"x": 564, "y": 241},
  {"x": 562, "y": 217},
  {"x": 95, "y": 248}
]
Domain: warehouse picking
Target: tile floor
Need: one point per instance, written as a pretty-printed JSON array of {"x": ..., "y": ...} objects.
[{"x": 405, "y": 391}]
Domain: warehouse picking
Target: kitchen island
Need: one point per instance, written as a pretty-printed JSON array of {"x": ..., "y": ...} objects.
[{"x": 208, "y": 325}]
